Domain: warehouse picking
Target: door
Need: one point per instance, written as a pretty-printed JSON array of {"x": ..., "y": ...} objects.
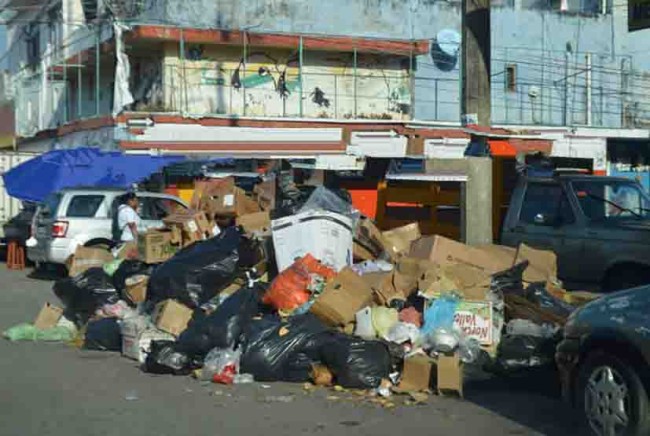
[{"x": 547, "y": 221}]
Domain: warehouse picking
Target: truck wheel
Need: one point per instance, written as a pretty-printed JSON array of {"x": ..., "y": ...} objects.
[
  {"x": 612, "y": 397},
  {"x": 626, "y": 277}
]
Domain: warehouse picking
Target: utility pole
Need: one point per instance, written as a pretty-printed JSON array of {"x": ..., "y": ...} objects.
[{"x": 475, "y": 106}]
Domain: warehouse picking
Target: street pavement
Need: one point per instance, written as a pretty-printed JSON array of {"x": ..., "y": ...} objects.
[{"x": 56, "y": 389}]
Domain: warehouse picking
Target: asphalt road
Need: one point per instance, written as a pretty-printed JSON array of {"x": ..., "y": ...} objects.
[{"x": 56, "y": 389}]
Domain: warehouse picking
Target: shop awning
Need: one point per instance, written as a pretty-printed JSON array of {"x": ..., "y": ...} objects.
[{"x": 37, "y": 178}]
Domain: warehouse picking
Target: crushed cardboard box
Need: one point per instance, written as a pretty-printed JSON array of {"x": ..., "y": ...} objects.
[
  {"x": 398, "y": 241},
  {"x": 255, "y": 224},
  {"x": 48, "y": 317},
  {"x": 416, "y": 374},
  {"x": 85, "y": 258},
  {"x": 450, "y": 375},
  {"x": 368, "y": 241},
  {"x": 172, "y": 317},
  {"x": 342, "y": 298},
  {"x": 193, "y": 226},
  {"x": 136, "y": 288},
  {"x": 228, "y": 201}
]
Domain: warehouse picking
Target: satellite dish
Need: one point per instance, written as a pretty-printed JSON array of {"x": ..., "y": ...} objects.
[{"x": 445, "y": 49}]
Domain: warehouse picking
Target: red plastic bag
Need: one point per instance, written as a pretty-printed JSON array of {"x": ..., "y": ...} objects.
[
  {"x": 226, "y": 376},
  {"x": 411, "y": 315},
  {"x": 290, "y": 289}
]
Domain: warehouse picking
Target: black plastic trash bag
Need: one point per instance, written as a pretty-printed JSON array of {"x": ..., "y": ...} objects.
[
  {"x": 195, "y": 274},
  {"x": 104, "y": 335},
  {"x": 523, "y": 351},
  {"x": 357, "y": 363},
  {"x": 85, "y": 293},
  {"x": 128, "y": 268},
  {"x": 164, "y": 358},
  {"x": 511, "y": 280},
  {"x": 537, "y": 293},
  {"x": 283, "y": 351},
  {"x": 226, "y": 327}
]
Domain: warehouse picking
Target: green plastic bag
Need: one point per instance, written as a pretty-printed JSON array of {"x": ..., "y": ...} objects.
[
  {"x": 27, "y": 332},
  {"x": 111, "y": 267}
]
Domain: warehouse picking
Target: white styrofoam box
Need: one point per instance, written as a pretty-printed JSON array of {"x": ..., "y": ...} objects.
[
  {"x": 377, "y": 144},
  {"x": 325, "y": 235}
]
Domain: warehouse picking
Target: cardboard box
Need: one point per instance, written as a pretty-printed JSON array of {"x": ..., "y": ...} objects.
[
  {"x": 87, "y": 257},
  {"x": 48, "y": 317},
  {"x": 264, "y": 194},
  {"x": 229, "y": 201},
  {"x": 417, "y": 374},
  {"x": 444, "y": 251},
  {"x": 476, "y": 320},
  {"x": 256, "y": 224},
  {"x": 155, "y": 246},
  {"x": 398, "y": 241},
  {"x": 136, "y": 288},
  {"x": 450, "y": 374},
  {"x": 325, "y": 235},
  {"x": 193, "y": 226},
  {"x": 473, "y": 283},
  {"x": 542, "y": 267},
  {"x": 128, "y": 250},
  {"x": 342, "y": 298},
  {"x": 205, "y": 188},
  {"x": 172, "y": 317}
]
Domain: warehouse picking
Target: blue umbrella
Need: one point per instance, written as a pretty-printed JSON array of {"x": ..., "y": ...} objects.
[{"x": 37, "y": 178}]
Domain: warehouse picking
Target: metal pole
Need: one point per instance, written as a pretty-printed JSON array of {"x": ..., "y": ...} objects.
[
  {"x": 184, "y": 78},
  {"x": 566, "y": 89},
  {"x": 336, "y": 96},
  {"x": 300, "y": 62},
  {"x": 589, "y": 91},
  {"x": 412, "y": 78},
  {"x": 79, "y": 101},
  {"x": 435, "y": 90},
  {"x": 97, "y": 74},
  {"x": 355, "y": 81},
  {"x": 243, "y": 75},
  {"x": 65, "y": 90}
]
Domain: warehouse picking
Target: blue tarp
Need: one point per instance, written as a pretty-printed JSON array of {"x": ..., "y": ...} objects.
[{"x": 37, "y": 178}]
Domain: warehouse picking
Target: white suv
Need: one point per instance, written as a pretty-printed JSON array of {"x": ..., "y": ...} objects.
[{"x": 84, "y": 217}]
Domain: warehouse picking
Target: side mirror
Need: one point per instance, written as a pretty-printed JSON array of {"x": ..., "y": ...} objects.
[{"x": 542, "y": 220}]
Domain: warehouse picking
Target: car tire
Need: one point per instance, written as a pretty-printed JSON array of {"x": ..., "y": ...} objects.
[
  {"x": 626, "y": 277},
  {"x": 609, "y": 391}
]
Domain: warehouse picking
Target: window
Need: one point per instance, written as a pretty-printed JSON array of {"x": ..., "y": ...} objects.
[
  {"x": 546, "y": 203},
  {"x": 511, "y": 78},
  {"x": 90, "y": 10},
  {"x": 84, "y": 206},
  {"x": 158, "y": 208},
  {"x": 33, "y": 41},
  {"x": 603, "y": 200}
]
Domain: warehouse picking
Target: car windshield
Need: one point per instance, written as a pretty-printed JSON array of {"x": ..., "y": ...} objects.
[{"x": 607, "y": 200}]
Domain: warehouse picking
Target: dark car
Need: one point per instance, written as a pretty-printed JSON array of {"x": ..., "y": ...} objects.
[
  {"x": 18, "y": 228},
  {"x": 599, "y": 227},
  {"x": 604, "y": 362}
]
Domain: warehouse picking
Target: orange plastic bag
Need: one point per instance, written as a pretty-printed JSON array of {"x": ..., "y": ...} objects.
[{"x": 290, "y": 289}]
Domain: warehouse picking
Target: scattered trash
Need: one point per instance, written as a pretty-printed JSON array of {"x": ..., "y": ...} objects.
[
  {"x": 131, "y": 396},
  {"x": 279, "y": 399}
]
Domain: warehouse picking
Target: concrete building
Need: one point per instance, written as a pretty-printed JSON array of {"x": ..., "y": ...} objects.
[{"x": 299, "y": 77}]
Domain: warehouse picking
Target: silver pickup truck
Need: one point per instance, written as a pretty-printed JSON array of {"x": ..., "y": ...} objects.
[{"x": 599, "y": 227}]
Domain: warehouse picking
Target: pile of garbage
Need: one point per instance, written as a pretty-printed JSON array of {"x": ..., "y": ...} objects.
[{"x": 239, "y": 290}]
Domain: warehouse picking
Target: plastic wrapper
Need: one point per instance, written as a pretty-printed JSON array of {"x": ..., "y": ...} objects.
[
  {"x": 283, "y": 351},
  {"x": 85, "y": 293},
  {"x": 363, "y": 327},
  {"x": 325, "y": 199},
  {"x": 469, "y": 350},
  {"x": 221, "y": 365},
  {"x": 372, "y": 266},
  {"x": 111, "y": 267},
  {"x": 119, "y": 310},
  {"x": 104, "y": 335},
  {"x": 294, "y": 286},
  {"x": 403, "y": 332},
  {"x": 27, "y": 332},
  {"x": 442, "y": 340},
  {"x": 440, "y": 315},
  {"x": 164, "y": 358},
  {"x": 357, "y": 363},
  {"x": 196, "y": 273},
  {"x": 383, "y": 319},
  {"x": 226, "y": 327},
  {"x": 411, "y": 315}
]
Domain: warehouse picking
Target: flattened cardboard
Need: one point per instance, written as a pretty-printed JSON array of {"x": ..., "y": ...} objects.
[
  {"x": 368, "y": 240},
  {"x": 342, "y": 298},
  {"x": 48, "y": 317},
  {"x": 398, "y": 241},
  {"x": 193, "y": 225},
  {"x": 473, "y": 283},
  {"x": 450, "y": 375},
  {"x": 229, "y": 201},
  {"x": 417, "y": 374},
  {"x": 87, "y": 257},
  {"x": 172, "y": 317},
  {"x": 205, "y": 188},
  {"x": 264, "y": 194}
]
